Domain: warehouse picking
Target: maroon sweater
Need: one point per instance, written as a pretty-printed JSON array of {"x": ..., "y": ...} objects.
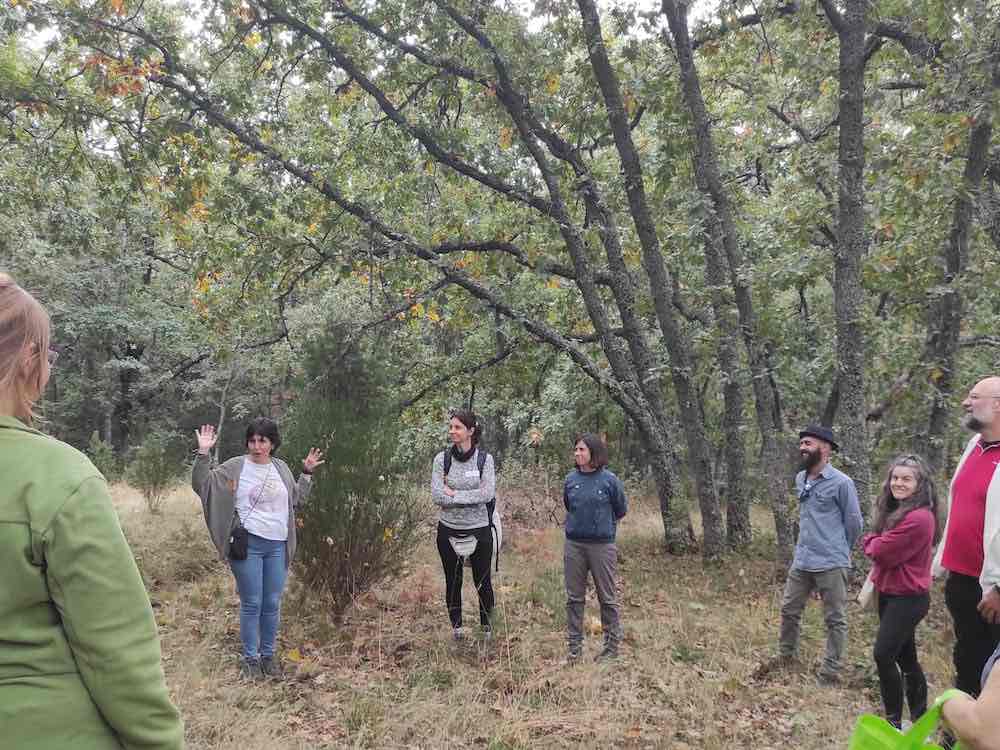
[{"x": 902, "y": 554}]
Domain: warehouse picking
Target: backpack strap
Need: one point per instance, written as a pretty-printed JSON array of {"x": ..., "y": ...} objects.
[{"x": 447, "y": 462}]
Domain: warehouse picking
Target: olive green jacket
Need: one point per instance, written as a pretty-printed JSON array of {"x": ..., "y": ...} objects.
[
  {"x": 79, "y": 651},
  {"x": 216, "y": 487}
]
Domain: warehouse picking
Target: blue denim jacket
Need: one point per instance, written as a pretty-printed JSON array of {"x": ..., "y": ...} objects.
[
  {"x": 595, "y": 502},
  {"x": 829, "y": 521}
]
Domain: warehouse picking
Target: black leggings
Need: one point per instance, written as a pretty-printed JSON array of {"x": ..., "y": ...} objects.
[
  {"x": 896, "y": 651},
  {"x": 452, "y": 565}
]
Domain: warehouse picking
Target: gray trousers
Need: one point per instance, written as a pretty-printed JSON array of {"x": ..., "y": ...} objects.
[
  {"x": 601, "y": 561},
  {"x": 832, "y": 585}
]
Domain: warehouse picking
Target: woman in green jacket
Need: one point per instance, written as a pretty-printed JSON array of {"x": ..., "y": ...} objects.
[{"x": 80, "y": 662}]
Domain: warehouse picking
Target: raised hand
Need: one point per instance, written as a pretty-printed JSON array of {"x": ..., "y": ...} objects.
[
  {"x": 206, "y": 438},
  {"x": 311, "y": 461}
]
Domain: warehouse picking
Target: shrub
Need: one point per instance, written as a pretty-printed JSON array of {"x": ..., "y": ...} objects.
[
  {"x": 104, "y": 458},
  {"x": 361, "y": 520},
  {"x": 155, "y": 467}
]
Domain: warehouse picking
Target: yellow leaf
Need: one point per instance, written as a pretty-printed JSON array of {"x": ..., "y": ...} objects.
[
  {"x": 313, "y": 227},
  {"x": 294, "y": 655},
  {"x": 417, "y": 310},
  {"x": 552, "y": 283},
  {"x": 118, "y": 6},
  {"x": 433, "y": 315},
  {"x": 506, "y": 137},
  {"x": 552, "y": 83},
  {"x": 252, "y": 40}
]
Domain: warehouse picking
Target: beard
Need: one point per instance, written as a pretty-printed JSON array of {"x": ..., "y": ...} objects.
[
  {"x": 809, "y": 459},
  {"x": 972, "y": 423}
]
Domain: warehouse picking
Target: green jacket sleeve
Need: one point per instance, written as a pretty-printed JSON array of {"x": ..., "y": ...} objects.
[{"x": 108, "y": 620}]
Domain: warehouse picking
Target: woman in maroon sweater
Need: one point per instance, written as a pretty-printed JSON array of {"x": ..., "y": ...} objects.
[{"x": 904, "y": 533}]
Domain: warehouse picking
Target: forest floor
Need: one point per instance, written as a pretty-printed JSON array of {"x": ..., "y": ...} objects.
[{"x": 391, "y": 676}]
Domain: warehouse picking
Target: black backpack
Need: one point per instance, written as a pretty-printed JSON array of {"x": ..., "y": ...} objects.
[{"x": 490, "y": 506}]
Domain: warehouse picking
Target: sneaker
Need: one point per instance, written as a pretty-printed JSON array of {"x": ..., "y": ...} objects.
[
  {"x": 574, "y": 654},
  {"x": 270, "y": 667},
  {"x": 487, "y": 634},
  {"x": 458, "y": 634},
  {"x": 250, "y": 669}
]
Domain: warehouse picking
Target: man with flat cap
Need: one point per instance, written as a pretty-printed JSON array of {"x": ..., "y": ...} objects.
[{"x": 829, "y": 525}]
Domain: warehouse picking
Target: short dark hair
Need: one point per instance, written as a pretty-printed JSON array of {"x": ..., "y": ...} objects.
[
  {"x": 468, "y": 418},
  {"x": 598, "y": 450},
  {"x": 266, "y": 428}
]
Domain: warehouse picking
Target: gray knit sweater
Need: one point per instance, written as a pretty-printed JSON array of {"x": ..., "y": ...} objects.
[
  {"x": 467, "y": 509},
  {"x": 216, "y": 486}
]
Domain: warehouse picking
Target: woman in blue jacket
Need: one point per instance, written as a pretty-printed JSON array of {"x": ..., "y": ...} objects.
[{"x": 595, "y": 502}]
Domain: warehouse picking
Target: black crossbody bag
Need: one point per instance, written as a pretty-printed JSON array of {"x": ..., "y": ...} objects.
[{"x": 239, "y": 537}]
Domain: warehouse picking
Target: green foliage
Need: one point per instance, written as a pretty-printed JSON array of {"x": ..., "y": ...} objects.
[
  {"x": 104, "y": 458},
  {"x": 155, "y": 467},
  {"x": 362, "y": 519}
]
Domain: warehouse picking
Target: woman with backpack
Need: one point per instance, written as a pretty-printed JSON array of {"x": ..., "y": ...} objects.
[
  {"x": 463, "y": 485},
  {"x": 595, "y": 503},
  {"x": 904, "y": 533}
]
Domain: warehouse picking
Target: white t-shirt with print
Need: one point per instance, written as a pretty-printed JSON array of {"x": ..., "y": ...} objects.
[{"x": 269, "y": 517}]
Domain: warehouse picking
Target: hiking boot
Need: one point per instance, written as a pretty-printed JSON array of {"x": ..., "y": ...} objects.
[
  {"x": 270, "y": 667},
  {"x": 608, "y": 653},
  {"x": 574, "y": 654},
  {"x": 487, "y": 633},
  {"x": 825, "y": 679},
  {"x": 458, "y": 634},
  {"x": 250, "y": 669}
]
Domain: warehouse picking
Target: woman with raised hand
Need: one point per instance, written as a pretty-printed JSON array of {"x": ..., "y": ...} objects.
[
  {"x": 463, "y": 485},
  {"x": 249, "y": 504},
  {"x": 80, "y": 660},
  {"x": 905, "y": 531},
  {"x": 595, "y": 503}
]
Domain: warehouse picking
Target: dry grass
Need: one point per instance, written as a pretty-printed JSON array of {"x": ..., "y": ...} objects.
[{"x": 390, "y": 676}]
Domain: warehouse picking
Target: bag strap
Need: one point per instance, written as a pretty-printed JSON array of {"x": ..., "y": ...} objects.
[
  {"x": 260, "y": 494},
  {"x": 480, "y": 461}
]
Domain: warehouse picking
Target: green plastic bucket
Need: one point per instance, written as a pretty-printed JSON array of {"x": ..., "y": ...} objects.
[{"x": 875, "y": 733}]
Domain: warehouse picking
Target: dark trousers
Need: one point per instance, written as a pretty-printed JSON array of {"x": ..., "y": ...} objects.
[
  {"x": 896, "y": 654},
  {"x": 452, "y": 565},
  {"x": 975, "y": 639}
]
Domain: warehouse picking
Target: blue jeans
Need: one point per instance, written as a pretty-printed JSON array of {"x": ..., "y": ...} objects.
[{"x": 260, "y": 580}]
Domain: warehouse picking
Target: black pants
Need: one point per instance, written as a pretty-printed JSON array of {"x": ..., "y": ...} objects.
[
  {"x": 975, "y": 639},
  {"x": 452, "y": 565},
  {"x": 896, "y": 654}
]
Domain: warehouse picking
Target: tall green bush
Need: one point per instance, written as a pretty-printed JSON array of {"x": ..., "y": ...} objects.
[
  {"x": 155, "y": 467},
  {"x": 361, "y": 520},
  {"x": 103, "y": 457}
]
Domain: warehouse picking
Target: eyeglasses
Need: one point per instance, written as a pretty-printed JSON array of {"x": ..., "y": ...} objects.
[
  {"x": 52, "y": 355},
  {"x": 806, "y": 489}
]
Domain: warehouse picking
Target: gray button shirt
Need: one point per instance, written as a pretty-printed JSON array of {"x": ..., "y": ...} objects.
[{"x": 829, "y": 520}]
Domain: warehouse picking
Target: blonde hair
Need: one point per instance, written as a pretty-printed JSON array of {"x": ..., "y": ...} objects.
[{"x": 24, "y": 325}]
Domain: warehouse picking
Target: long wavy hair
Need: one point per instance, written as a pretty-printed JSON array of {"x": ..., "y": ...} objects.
[{"x": 889, "y": 511}]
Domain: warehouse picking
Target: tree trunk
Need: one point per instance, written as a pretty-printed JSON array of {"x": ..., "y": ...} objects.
[
  {"x": 948, "y": 311},
  {"x": 850, "y": 249},
  {"x": 661, "y": 285},
  {"x": 739, "y": 531},
  {"x": 709, "y": 180}
]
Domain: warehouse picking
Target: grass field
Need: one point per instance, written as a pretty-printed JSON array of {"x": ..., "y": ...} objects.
[{"x": 390, "y": 676}]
